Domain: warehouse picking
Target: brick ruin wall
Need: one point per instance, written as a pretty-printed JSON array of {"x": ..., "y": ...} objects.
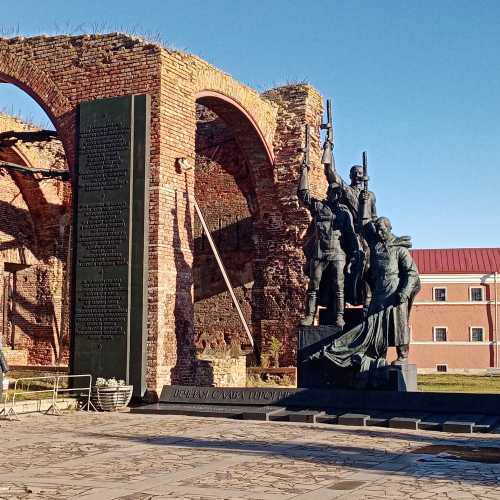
[
  {"x": 63, "y": 71},
  {"x": 225, "y": 197},
  {"x": 34, "y": 245}
]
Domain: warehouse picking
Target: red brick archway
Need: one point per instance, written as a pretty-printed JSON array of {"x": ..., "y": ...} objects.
[
  {"x": 60, "y": 72},
  {"x": 44, "y": 91},
  {"x": 232, "y": 171},
  {"x": 231, "y": 111},
  {"x": 250, "y": 140}
]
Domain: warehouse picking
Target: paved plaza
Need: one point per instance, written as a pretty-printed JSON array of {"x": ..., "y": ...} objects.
[{"x": 138, "y": 457}]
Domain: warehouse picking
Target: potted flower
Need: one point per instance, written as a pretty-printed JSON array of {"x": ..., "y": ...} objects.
[{"x": 111, "y": 394}]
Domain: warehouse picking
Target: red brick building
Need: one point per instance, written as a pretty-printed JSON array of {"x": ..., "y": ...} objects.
[{"x": 454, "y": 322}]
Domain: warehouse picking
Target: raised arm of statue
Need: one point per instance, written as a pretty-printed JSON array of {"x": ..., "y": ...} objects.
[
  {"x": 303, "y": 190},
  {"x": 373, "y": 206},
  {"x": 331, "y": 173}
]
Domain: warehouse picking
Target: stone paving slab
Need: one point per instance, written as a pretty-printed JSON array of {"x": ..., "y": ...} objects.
[
  {"x": 262, "y": 413},
  {"x": 458, "y": 426},
  {"x": 404, "y": 423},
  {"x": 108, "y": 456},
  {"x": 358, "y": 419},
  {"x": 302, "y": 416}
]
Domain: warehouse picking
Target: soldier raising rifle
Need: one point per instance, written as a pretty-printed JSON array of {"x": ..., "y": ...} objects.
[
  {"x": 355, "y": 195},
  {"x": 332, "y": 241}
]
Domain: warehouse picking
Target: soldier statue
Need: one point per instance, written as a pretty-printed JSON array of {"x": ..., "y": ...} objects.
[
  {"x": 332, "y": 241},
  {"x": 360, "y": 202},
  {"x": 362, "y": 205},
  {"x": 395, "y": 282},
  {"x": 380, "y": 275}
]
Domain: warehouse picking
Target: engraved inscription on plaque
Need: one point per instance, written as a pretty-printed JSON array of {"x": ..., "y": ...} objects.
[
  {"x": 110, "y": 241},
  {"x": 102, "y": 307},
  {"x": 103, "y": 220},
  {"x": 103, "y": 234}
]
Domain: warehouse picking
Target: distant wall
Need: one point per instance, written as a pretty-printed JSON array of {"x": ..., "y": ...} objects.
[{"x": 34, "y": 249}]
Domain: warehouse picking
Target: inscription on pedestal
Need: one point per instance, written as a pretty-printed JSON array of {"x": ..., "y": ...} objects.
[{"x": 110, "y": 258}]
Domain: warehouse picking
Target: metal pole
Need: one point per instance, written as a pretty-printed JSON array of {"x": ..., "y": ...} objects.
[
  {"x": 13, "y": 310},
  {"x": 223, "y": 271},
  {"x": 63, "y": 174},
  {"x": 496, "y": 318}
]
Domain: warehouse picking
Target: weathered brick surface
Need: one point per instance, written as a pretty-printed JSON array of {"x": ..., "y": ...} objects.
[
  {"x": 62, "y": 71},
  {"x": 220, "y": 372},
  {"x": 226, "y": 197},
  {"x": 34, "y": 237}
]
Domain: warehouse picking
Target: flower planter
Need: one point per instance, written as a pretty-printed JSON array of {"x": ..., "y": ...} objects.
[{"x": 111, "y": 398}]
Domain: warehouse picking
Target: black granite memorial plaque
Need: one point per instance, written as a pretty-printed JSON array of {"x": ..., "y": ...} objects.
[
  {"x": 413, "y": 404},
  {"x": 310, "y": 340},
  {"x": 110, "y": 259}
]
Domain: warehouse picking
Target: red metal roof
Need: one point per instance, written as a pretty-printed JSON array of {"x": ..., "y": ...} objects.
[{"x": 457, "y": 260}]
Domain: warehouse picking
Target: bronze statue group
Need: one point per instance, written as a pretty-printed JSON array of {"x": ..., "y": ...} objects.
[{"x": 352, "y": 256}]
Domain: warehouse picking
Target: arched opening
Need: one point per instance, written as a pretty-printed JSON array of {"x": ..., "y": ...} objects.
[
  {"x": 35, "y": 218},
  {"x": 231, "y": 168}
]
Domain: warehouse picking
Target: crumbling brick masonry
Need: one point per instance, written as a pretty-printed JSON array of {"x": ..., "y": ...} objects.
[{"x": 248, "y": 184}]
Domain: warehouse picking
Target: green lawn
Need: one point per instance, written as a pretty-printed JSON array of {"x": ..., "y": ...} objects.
[{"x": 458, "y": 383}]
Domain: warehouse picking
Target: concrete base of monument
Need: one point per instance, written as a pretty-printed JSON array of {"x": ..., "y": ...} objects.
[
  {"x": 321, "y": 373},
  {"x": 402, "y": 377},
  {"x": 398, "y": 410}
]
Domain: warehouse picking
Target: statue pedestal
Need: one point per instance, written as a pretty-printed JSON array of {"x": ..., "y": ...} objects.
[
  {"x": 322, "y": 374},
  {"x": 403, "y": 378},
  {"x": 310, "y": 340}
]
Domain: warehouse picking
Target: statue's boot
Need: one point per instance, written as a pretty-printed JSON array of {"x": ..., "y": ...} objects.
[
  {"x": 402, "y": 352},
  {"x": 339, "y": 321},
  {"x": 339, "y": 308},
  {"x": 308, "y": 319}
]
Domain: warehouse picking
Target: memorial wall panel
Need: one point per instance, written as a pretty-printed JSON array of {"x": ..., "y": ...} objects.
[{"x": 110, "y": 260}]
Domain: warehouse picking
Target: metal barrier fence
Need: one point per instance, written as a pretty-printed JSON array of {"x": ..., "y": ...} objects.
[{"x": 53, "y": 385}]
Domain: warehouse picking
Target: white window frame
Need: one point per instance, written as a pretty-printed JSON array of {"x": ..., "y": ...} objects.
[
  {"x": 434, "y": 288},
  {"x": 470, "y": 334},
  {"x": 482, "y": 293},
  {"x": 434, "y": 328},
  {"x": 442, "y": 364}
]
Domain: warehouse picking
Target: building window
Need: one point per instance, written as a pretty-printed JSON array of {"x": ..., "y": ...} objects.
[
  {"x": 476, "y": 334},
  {"x": 439, "y": 294},
  {"x": 440, "y": 333},
  {"x": 476, "y": 293},
  {"x": 441, "y": 368}
]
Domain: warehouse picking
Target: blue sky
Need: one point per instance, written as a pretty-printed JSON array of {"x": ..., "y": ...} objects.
[{"x": 414, "y": 83}]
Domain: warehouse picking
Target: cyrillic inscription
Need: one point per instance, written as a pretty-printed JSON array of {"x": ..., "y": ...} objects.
[
  {"x": 103, "y": 222},
  {"x": 110, "y": 261},
  {"x": 102, "y": 307}
]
